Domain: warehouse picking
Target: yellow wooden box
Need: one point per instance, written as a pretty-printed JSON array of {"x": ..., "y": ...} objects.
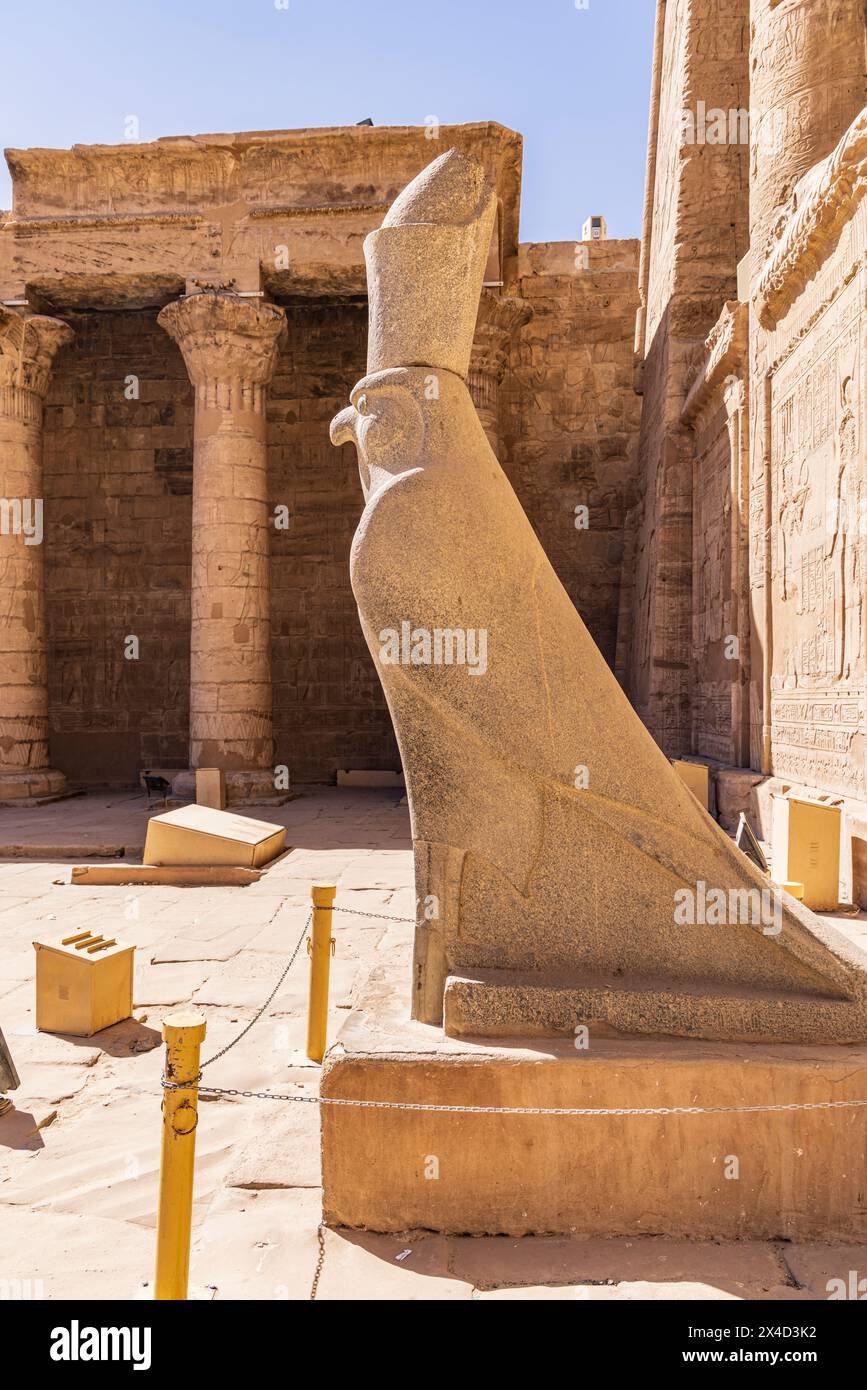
[
  {"x": 211, "y": 787},
  {"x": 199, "y": 835},
  {"x": 805, "y": 847},
  {"x": 694, "y": 776},
  {"x": 83, "y": 983}
]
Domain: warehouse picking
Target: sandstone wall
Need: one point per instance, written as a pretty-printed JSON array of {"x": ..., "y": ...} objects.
[
  {"x": 569, "y": 415},
  {"x": 118, "y": 482},
  {"x": 753, "y": 429},
  {"x": 717, "y": 413},
  {"x": 329, "y": 710},
  {"x": 118, "y": 479},
  {"x": 697, "y": 230},
  {"x": 808, "y": 66}
]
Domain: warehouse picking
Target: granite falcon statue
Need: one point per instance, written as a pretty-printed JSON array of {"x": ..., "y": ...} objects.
[{"x": 576, "y": 879}]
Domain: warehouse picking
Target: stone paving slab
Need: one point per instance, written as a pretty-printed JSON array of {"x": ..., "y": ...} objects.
[
  {"x": 67, "y": 1255},
  {"x": 492, "y": 1262}
]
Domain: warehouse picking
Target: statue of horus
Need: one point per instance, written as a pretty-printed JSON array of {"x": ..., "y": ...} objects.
[{"x": 564, "y": 873}]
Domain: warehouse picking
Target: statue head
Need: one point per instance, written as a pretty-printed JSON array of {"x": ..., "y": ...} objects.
[
  {"x": 385, "y": 423},
  {"x": 425, "y": 267}
]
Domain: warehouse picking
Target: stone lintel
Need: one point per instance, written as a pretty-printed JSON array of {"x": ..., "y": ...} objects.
[
  {"x": 70, "y": 292},
  {"x": 254, "y": 172}
]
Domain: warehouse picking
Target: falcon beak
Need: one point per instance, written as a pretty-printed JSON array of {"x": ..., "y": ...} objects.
[{"x": 343, "y": 427}]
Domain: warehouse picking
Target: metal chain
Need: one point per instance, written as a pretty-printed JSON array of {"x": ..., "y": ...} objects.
[
  {"x": 195, "y": 1084},
  {"x": 357, "y": 912},
  {"x": 256, "y": 1016},
  {"x": 317, "y": 1273},
  {"x": 292, "y": 959},
  {"x": 574, "y": 1110},
  {"x": 525, "y": 1109}
]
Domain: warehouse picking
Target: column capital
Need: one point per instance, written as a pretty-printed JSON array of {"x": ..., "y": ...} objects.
[
  {"x": 28, "y": 346},
  {"x": 500, "y": 316},
  {"x": 227, "y": 342}
]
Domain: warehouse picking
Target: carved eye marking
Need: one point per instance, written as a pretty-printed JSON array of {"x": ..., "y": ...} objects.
[{"x": 361, "y": 404}]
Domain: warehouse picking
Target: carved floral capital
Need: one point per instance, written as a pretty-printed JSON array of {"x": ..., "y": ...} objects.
[
  {"x": 499, "y": 318},
  {"x": 28, "y": 347},
  {"x": 226, "y": 340}
]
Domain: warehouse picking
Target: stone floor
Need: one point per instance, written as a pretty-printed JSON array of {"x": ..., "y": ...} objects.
[{"x": 79, "y": 1153}]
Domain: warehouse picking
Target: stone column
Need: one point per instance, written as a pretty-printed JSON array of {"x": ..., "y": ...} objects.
[
  {"x": 229, "y": 345},
  {"x": 807, "y": 86},
  {"x": 27, "y": 350},
  {"x": 500, "y": 317}
]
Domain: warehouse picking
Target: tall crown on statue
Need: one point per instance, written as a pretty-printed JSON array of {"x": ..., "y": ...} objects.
[{"x": 426, "y": 265}]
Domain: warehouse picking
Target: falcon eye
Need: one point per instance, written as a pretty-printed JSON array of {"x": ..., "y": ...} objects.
[{"x": 361, "y": 404}]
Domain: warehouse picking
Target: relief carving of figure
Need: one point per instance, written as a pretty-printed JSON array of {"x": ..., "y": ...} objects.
[
  {"x": 844, "y": 550},
  {"x": 792, "y": 504}
]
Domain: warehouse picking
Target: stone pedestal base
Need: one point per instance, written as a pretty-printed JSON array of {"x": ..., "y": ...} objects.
[
  {"x": 506, "y": 1004},
  {"x": 32, "y": 786},
  {"x": 253, "y": 788},
  {"x": 789, "y": 1175}
]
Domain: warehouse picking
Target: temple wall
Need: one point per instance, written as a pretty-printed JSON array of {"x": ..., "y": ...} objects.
[
  {"x": 696, "y": 232},
  {"x": 329, "y": 710},
  {"x": 818, "y": 507},
  {"x": 569, "y": 416},
  {"x": 808, "y": 72},
  {"x": 712, "y": 576},
  {"x": 118, "y": 482},
  {"x": 761, "y": 409}
]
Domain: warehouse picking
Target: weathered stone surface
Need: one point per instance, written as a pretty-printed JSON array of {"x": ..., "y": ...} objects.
[
  {"x": 695, "y": 232},
  {"x": 742, "y": 632},
  {"x": 807, "y": 382},
  {"x": 593, "y": 1175},
  {"x": 574, "y": 889},
  {"x": 291, "y": 208},
  {"x": 230, "y": 347},
  {"x": 568, "y": 438},
  {"x": 717, "y": 410},
  {"x": 28, "y": 345}
]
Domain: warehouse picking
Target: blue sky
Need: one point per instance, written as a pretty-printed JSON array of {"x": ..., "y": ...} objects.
[{"x": 574, "y": 82}]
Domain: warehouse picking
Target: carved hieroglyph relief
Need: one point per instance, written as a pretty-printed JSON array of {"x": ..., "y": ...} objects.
[
  {"x": 819, "y": 495},
  {"x": 712, "y": 693}
]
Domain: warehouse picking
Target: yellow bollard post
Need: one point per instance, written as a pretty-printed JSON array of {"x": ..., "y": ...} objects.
[
  {"x": 183, "y": 1034},
  {"x": 320, "y": 949}
]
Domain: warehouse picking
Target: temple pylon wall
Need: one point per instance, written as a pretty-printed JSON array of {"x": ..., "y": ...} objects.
[{"x": 772, "y": 427}]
